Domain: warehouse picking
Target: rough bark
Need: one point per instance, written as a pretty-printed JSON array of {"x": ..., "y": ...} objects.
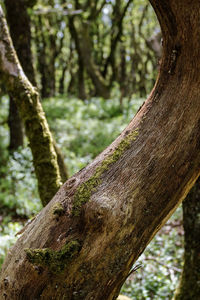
[
  {"x": 31, "y": 112},
  {"x": 189, "y": 287},
  {"x": 84, "y": 242}
]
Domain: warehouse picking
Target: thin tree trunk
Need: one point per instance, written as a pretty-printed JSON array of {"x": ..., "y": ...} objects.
[
  {"x": 62, "y": 80},
  {"x": 15, "y": 127},
  {"x": 118, "y": 25},
  {"x": 21, "y": 35},
  {"x": 81, "y": 81},
  {"x": 42, "y": 59},
  {"x": 189, "y": 287},
  {"x": 61, "y": 163},
  {"x": 84, "y": 242},
  {"x": 122, "y": 78},
  {"x": 82, "y": 40},
  {"x": 86, "y": 52},
  {"x": 31, "y": 112},
  {"x": 20, "y": 30}
]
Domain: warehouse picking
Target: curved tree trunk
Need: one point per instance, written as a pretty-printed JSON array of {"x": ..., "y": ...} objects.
[
  {"x": 31, "y": 112},
  {"x": 189, "y": 287},
  {"x": 84, "y": 242}
]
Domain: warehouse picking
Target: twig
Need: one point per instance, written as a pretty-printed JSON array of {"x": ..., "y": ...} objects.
[
  {"x": 63, "y": 12},
  {"x": 134, "y": 270}
]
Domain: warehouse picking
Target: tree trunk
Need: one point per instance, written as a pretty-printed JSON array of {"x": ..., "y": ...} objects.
[
  {"x": 61, "y": 163},
  {"x": 122, "y": 77},
  {"x": 81, "y": 81},
  {"x": 20, "y": 30},
  {"x": 47, "y": 82},
  {"x": 21, "y": 35},
  {"x": 83, "y": 44},
  {"x": 84, "y": 242},
  {"x": 117, "y": 26},
  {"x": 31, "y": 112},
  {"x": 15, "y": 127},
  {"x": 189, "y": 287},
  {"x": 62, "y": 79}
]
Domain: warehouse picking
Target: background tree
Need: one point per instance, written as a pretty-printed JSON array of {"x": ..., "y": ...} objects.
[
  {"x": 105, "y": 25},
  {"x": 189, "y": 287},
  {"x": 31, "y": 112},
  {"x": 20, "y": 29},
  {"x": 21, "y": 35}
]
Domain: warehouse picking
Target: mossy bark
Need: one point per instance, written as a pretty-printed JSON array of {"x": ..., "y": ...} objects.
[
  {"x": 20, "y": 30},
  {"x": 189, "y": 287},
  {"x": 31, "y": 112},
  {"x": 114, "y": 206}
]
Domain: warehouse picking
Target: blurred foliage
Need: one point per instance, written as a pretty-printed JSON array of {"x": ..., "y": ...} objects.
[
  {"x": 18, "y": 188},
  {"x": 82, "y": 130},
  {"x": 18, "y": 192},
  {"x": 125, "y": 49}
]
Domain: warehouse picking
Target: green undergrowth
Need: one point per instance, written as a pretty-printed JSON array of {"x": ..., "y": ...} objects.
[
  {"x": 84, "y": 129},
  {"x": 161, "y": 264}
]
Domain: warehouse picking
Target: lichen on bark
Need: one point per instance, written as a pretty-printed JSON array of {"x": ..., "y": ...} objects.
[{"x": 85, "y": 190}]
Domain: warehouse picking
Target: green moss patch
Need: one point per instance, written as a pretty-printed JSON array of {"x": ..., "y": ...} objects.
[
  {"x": 56, "y": 261},
  {"x": 58, "y": 209},
  {"x": 85, "y": 190}
]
